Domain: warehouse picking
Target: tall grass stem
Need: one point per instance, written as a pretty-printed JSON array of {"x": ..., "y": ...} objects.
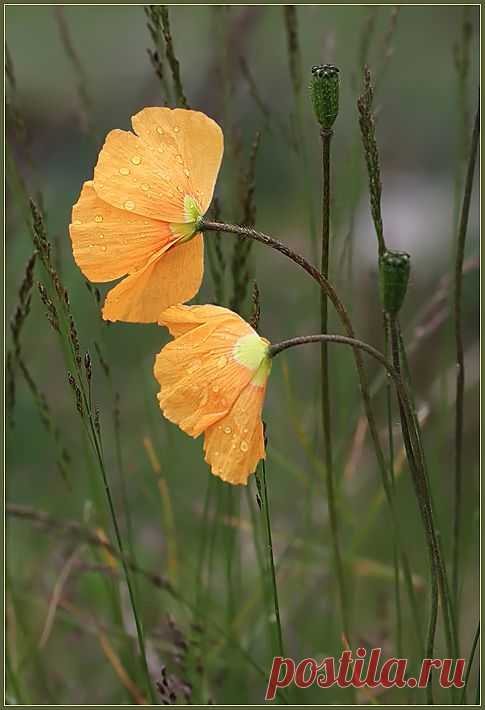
[{"x": 460, "y": 358}]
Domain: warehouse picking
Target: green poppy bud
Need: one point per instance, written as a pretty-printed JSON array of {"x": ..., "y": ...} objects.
[
  {"x": 324, "y": 90},
  {"x": 394, "y": 268}
]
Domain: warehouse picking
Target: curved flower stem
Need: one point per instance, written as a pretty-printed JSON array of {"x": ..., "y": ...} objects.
[
  {"x": 249, "y": 233},
  {"x": 326, "y": 135}
]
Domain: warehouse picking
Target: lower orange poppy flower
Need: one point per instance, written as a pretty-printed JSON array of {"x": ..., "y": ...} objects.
[{"x": 213, "y": 379}]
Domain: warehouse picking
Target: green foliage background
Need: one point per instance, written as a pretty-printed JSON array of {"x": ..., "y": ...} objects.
[{"x": 418, "y": 130}]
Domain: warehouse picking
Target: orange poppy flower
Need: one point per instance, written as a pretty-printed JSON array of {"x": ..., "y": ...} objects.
[
  {"x": 139, "y": 216},
  {"x": 213, "y": 380}
]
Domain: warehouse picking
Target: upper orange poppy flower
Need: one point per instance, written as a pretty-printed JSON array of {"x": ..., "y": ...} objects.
[
  {"x": 139, "y": 215},
  {"x": 213, "y": 379}
]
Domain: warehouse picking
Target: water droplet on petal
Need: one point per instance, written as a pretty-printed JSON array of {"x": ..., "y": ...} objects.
[
  {"x": 129, "y": 205},
  {"x": 187, "y": 172},
  {"x": 245, "y": 431},
  {"x": 98, "y": 218},
  {"x": 124, "y": 171},
  {"x": 222, "y": 361},
  {"x": 227, "y": 430},
  {"x": 194, "y": 366},
  {"x": 144, "y": 186},
  {"x": 136, "y": 160},
  {"x": 244, "y": 447},
  {"x": 179, "y": 159},
  {"x": 159, "y": 130},
  {"x": 103, "y": 248},
  {"x": 176, "y": 129},
  {"x": 215, "y": 388},
  {"x": 101, "y": 236}
]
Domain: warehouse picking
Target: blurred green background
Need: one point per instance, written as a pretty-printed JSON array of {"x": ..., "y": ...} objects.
[{"x": 419, "y": 133}]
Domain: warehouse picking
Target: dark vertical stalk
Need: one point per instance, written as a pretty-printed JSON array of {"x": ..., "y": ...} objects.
[
  {"x": 326, "y": 135},
  {"x": 418, "y": 486},
  {"x": 390, "y": 437},
  {"x": 460, "y": 364},
  {"x": 269, "y": 538}
]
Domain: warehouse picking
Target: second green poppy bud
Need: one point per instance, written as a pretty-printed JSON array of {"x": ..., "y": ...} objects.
[{"x": 394, "y": 268}]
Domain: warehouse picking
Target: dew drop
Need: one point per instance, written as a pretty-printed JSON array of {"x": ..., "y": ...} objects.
[
  {"x": 136, "y": 160},
  {"x": 124, "y": 171},
  {"x": 244, "y": 447},
  {"x": 159, "y": 130},
  {"x": 222, "y": 361},
  {"x": 91, "y": 246},
  {"x": 98, "y": 218},
  {"x": 215, "y": 388},
  {"x": 227, "y": 430},
  {"x": 194, "y": 366},
  {"x": 187, "y": 172},
  {"x": 144, "y": 186},
  {"x": 129, "y": 205},
  {"x": 245, "y": 431},
  {"x": 101, "y": 236},
  {"x": 103, "y": 248},
  {"x": 176, "y": 129}
]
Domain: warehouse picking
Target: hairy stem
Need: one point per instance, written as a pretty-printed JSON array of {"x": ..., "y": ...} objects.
[
  {"x": 421, "y": 498},
  {"x": 390, "y": 436},
  {"x": 326, "y": 136}
]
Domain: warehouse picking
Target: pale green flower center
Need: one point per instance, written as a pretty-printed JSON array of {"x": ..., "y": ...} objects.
[
  {"x": 252, "y": 352},
  {"x": 190, "y": 227}
]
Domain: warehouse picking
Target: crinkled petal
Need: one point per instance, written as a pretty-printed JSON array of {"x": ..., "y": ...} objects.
[
  {"x": 172, "y": 275},
  {"x": 235, "y": 444},
  {"x": 199, "y": 377},
  {"x": 107, "y": 242}
]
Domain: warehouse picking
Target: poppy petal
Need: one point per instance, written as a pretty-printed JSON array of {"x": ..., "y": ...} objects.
[
  {"x": 235, "y": 444},
  {"x": 199, "y": 376},
  {"x": 131, "y": 178},
  {"x": 190, "y": 138},
  {"x": 108, "y": 243},
  {"x": 181, "y": 319},
  {"x": 172, "y": 275}
]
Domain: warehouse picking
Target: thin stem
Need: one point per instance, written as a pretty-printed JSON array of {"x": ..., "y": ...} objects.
[
  {"x": 418, "y": 486},
  {"x": 417, "y": 444},
  {"x": 390, "y": 436},
  {"x": 470, "y": 664},
  {"x": 267, "y": 513},
  {"x": 124, "y": 563},
  {"x": 460, "y": 362},
  {"x": 326, "y": 136}
]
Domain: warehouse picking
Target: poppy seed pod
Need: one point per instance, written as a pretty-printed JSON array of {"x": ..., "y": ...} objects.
[
  {"x": 324, "y": 90},
  {"x": 394, "y": 268}
]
